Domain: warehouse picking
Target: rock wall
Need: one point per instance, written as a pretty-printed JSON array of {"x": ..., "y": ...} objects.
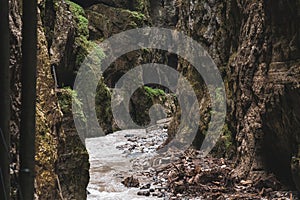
[
  {"x": 256, "y": 47},
  {"x": 265, "y": 69},
  {"x": 50, "y": 127},
  {"x": 15, "y": 24},
  {"x": 72, "y": 164}
]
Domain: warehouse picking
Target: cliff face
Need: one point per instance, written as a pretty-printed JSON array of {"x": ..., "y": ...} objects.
[
  {"x": 51, "y": 131},
  {"x": 266, "y": 76},
  {"x": 256, "y": 46}
]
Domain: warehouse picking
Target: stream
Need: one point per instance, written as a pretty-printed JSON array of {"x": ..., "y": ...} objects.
[{"x": 111, "y": 162}]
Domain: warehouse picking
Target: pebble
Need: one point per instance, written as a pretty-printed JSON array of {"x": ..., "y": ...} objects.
[
  {"x": 158, "y": 194},
  {"x": 147, "y": 186},
  {"x": 143, "y": 193},
  {"x": 152, "y": 190},
  {"x": 129, "y": 135}
]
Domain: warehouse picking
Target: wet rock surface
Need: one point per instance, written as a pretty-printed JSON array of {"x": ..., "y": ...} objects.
[{"x": 131, "y": 182}]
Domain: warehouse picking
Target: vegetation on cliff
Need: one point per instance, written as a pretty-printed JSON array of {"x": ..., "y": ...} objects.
[{"x": 256, "y": 50}]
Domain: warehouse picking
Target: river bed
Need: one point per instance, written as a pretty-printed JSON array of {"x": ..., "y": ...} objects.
[{"x": 110, "y": 163}]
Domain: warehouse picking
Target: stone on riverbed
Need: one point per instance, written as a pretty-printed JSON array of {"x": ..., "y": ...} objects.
[
  {"x": 147, "y": 186},
  {"x": 144, "y": 193},
  {"x": 131, "y": 182}
]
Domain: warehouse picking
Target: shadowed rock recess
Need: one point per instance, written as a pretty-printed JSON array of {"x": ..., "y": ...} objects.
[{"x": 255, "y": 44}]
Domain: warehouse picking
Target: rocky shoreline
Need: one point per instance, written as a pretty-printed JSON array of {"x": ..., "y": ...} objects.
[{"x": 190, "y": 176}]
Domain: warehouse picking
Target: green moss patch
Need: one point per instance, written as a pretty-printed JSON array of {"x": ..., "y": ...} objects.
[
  {"x": 80, "y": 18},
  {"x": 154, "y": 92},
  {"x": 66, "y": 97}
]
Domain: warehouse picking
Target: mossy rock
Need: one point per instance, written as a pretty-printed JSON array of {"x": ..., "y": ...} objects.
[
  {"x": 141, "y": 102},
  {"x": 225, "y": 146},
  {"x": 141, "y": 6},
  {"x": 106, "y": 21},
  {"x": 66, "y": 97},
  {"x": 46, "y": 155},
  {"x": 103, "y": 107},
  {"x": 80, "y": 18}
]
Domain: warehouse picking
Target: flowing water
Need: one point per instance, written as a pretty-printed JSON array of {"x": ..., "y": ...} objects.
[{"x": 109, "y": 166}]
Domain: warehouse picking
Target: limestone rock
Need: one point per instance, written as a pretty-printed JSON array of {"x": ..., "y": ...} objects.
[{"x": 105, "y": 21}]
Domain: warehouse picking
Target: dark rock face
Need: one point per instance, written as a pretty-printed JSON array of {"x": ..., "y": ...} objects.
[
  {"x": 114, "y": 3},
  {"x": 15, "y": 24},
  {"x": 215, "y": 25},
  {"x": 256, "y": 46},
  {"x": 163, "y": 13},
  {"x": 49, "y": 130},
  {"x": 67, "y": 33},
  {"x": 134, "y": 5},
  {"x": 267, "y": 70},
  {"x": 280, "y": 123},
  {"x": 72, "y": 163}
]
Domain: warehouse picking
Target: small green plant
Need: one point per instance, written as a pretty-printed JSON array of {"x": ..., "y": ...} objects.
[
  {"x": 66, "y": 98},
  {"x": 227, "y": 135},
  {"x": 56, "y": 5},
  {"x": 134, "y": 14},
  {"x": 86, "y": 47},
  {"x": 139, "y": 5},
  {"x": 154, "y": 92},
  {"x": 75, "y": 8},
  {"x": 83, "y": 25}
]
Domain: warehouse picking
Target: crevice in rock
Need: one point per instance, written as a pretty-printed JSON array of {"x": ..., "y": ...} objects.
[
  {"x": 48, "y": 16},
  {"x": 281, "y": 127}
]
